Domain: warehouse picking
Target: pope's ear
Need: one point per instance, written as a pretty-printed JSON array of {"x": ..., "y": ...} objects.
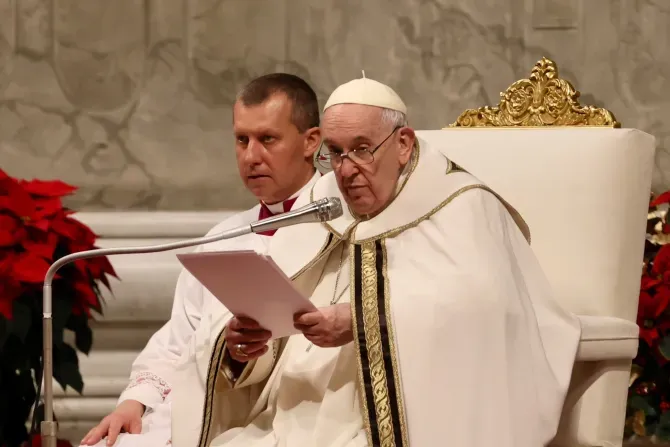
[
  {"x": 406, "y": 139},
  {"x": 312, "y": 141}
]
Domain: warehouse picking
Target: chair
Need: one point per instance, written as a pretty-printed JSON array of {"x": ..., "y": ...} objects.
[{"x": 582, "y": 184}]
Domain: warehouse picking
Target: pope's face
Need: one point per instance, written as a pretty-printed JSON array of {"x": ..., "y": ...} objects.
[
  {"x": 273, "y": 157},
  {"x": 367, "y": 188}
]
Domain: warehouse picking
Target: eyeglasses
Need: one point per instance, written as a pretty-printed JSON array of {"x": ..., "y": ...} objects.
[{"x": 361, "y": 156}]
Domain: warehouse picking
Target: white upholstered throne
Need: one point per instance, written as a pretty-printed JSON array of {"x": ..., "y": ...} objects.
[{"x": 582, "y": 184}]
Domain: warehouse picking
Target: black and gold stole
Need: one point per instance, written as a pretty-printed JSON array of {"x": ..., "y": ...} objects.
[{"x": 380, "y": 387}]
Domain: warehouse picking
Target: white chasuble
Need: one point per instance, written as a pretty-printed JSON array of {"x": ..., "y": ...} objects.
[{"x": 457, "y": 340}]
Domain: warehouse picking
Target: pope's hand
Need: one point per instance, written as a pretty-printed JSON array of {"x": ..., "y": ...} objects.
[
  {"x": 328, "y": 327},
  {"x": 126, "y": 417},
  {"x": 246, "y": 339}
]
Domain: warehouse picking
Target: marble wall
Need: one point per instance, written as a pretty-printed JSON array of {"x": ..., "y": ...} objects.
[{"x": 131, "y": 99}]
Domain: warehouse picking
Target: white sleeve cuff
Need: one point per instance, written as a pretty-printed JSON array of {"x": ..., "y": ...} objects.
[{"x": 147, "y": 388}]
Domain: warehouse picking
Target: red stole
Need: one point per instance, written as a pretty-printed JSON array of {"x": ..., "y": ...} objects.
[{"x": 265, "y": 212}]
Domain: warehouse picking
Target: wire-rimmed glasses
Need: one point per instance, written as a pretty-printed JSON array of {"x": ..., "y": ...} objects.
[{"x": 362, "y": 156}]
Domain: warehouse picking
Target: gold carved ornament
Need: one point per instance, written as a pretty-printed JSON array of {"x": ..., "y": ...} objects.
[{"x": 543, "y": 99}]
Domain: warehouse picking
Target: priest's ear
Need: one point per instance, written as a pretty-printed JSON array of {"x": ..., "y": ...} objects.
[
  {"x": 406, "y": 139},
  {"x": 312, "y": 141}
]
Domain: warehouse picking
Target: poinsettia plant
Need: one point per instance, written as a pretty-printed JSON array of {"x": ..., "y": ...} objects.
[
  {"x": 648, "y": 410},
  {"x": 36, "y": 230}
]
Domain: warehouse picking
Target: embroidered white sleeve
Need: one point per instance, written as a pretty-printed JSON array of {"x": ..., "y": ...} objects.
[{"x": 148, "y": 378}]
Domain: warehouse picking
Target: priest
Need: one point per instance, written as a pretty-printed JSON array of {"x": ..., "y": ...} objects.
[
  {"x": 435, "y": 323},
  {"x": 275, "y": 122}
]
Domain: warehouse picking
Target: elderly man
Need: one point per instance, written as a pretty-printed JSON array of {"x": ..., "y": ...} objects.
[
  {"x": 435, "y": 324},
  {"x": 275, "y": 121}
]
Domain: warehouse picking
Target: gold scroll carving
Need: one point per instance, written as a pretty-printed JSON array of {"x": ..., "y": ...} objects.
[{"x": 544, "y": 99}]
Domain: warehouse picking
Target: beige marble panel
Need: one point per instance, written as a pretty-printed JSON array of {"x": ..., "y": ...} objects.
[
  {"x": 132, "y": 102},
  {"x": 441, "y": 56}
]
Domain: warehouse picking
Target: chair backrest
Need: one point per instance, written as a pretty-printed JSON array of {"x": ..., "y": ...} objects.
[{"x": 581, "y": 183}]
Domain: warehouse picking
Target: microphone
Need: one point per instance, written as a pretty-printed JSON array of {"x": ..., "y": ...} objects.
[{"x": 321, "y": 210}]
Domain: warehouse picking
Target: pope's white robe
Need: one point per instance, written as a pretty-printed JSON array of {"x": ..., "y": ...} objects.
[
  {"x": 457, "y": 339},
  {"x": 153, "y": 371}
]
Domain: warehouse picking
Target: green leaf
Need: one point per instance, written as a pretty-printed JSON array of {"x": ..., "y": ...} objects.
[
  {"x": 4, "y": 331},
  {"x": 82, "y": 332},
  {"x": 664, "y": 347},
  {"x": 638, "y": 402},
  {"x": 83, "y": 338},
  {"x": 663, "y": 427},
  {"x": 66, "y": 368},
  {"x": 21, "y": 320},
  {"x": 63, "y": 300}
]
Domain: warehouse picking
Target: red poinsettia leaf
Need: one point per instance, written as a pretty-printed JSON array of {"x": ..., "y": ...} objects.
[
  {"x": 47, "y": 206},
  {"x": 650, "y": 336},
  {"x": 6, "y": 308},
  {"x": 9, "y": 291},
  {"x": 646, "y": 306},
  {"x": 648, "y": 283},
  {"x": 661, "y": 199},
  {"x": 101, "y": 266},
  {"x": 29, "y": 268},
  {"x": 662, "y": 260},
  {"x": 12, "y": 231},
  {"x": 86, "y": 235},
  {"x": 81, "y": 237},
  {"x": 17, "y": 201},
  {"x": 42, "y": 244},
  {"x": 103, "y": 279},
  {"x": 82, "y": 267},
  {"x": 661, "y": 300},
  {"x": 64, "y": 228},
  {"x": 48, "y": 188},
  {"x": 86, "y": 295}
]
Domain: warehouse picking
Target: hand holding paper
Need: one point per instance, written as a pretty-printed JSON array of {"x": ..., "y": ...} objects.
[
  {"x": 250, "y": 285},
  {"x": 248, "y": 336},
  {"x": 328, "y": 327}
]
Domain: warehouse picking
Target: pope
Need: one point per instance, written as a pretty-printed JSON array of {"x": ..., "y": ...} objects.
[{"x": 435, "y": 323}]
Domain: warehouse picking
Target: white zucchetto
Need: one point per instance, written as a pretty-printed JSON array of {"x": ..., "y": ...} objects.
[{"x": 367, "y": 92}]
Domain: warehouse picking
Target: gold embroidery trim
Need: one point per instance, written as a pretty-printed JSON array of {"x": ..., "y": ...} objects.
[
  {"x": 211, "y": 379},
  {"x": 212, "y": 370},
  {"x": 374, "y": 344},
  {"x": 357, "y": 344},
  {"x": 392, "y": 348},
  {"x": 518, "y": 219}
]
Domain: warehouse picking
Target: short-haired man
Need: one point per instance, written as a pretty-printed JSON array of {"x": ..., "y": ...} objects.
[{"x": 275, "y": 122}]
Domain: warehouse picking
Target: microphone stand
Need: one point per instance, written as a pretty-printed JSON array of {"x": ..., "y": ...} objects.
[
  {"x": 48, "y": 427},
  {"x": 319, "y": 211}
]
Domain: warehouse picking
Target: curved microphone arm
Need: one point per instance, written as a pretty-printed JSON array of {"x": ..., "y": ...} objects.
[
  {"x": 48, "y": 427},
  {"x": 319, "y": 211}
]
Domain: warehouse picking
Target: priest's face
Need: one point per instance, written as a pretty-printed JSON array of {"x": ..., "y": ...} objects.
[
  {"x": 273, "y": 157},
  {"x": 366, "y": 187}
]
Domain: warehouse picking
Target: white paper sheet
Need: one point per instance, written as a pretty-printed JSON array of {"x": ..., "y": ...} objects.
[{"x": 249, "y": 284}]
